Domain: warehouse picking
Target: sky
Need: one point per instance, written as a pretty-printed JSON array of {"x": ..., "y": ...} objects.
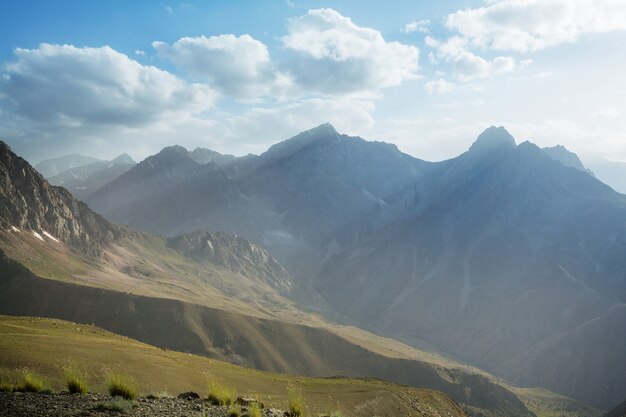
[{"x": 104, "y": 78}]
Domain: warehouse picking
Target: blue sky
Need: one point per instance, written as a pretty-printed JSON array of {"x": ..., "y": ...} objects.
[{"x": 101, "y": 78}]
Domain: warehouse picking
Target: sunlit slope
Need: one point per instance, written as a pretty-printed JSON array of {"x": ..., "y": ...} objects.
[{"x": 46, "y": 346}]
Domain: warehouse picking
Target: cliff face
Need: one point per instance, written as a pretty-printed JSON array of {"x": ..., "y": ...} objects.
[
  {"x": 234, "y": 253},
  {"x": 29, "y": 204}
]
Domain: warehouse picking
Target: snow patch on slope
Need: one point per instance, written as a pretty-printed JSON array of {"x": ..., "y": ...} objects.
[{"x": 50, "y": 236}]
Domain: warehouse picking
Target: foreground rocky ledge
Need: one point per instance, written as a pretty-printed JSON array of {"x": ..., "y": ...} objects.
[{"x": 64, "y": 405}]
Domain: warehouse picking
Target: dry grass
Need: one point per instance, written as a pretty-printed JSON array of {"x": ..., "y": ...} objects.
[
  {"x": 76, "y": 380},
  {"x": 220, "y": 394},
  {"x": 32, "y": 382},
  {"x": 295, "y": 403},
  {"x": 121, "y": 385}
]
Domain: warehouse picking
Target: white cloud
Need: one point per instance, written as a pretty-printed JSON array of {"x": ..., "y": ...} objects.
[
  {"x": 333, "y": 55},
  {"x": 605, "y": 113},
  {"x": 69, "y": 86},
  {"x": 416, "y": 26},
  {"x": 260, "y": 127},
  {"x": 457, "y": 104},
  {"x": 467, "y": 65},
  {"x": 239, "y": 66},
  {"x": 529, "y": 25},
  {"x": 439, "y": 86},
  {"x": 139, "y": 52}
]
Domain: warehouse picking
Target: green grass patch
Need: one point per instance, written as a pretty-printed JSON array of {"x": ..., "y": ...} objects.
[
  {"x": 295, "y": 403},
  {"x": 121, "y": 385},
  {"x": 220, "y": 394},
  {"x": 75, "y": 380},
  {"x": 32, "y": 382},
  {"x": 119, "y": 405},
  {"x": 6, "y": 387}
]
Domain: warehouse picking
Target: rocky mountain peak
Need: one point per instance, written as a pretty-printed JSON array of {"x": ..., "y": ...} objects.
[
  {"x": 323, "y": 129},
  {"x": 123, "y": 159},
  {"x": 173, "y": 150},
  {"x": 493, "y": 138},
  {"x": 4, "y": 147},
  {"x": 204, "y": 156},
  {"x": 169, "y": 158},
  {"x": 29, "y": 204},
  {"x": 566, "y": 157},
  {"x": 234, "y": 253},
  {"x": 320, "y": 134}
]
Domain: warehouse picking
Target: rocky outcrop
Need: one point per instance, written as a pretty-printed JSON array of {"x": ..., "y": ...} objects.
[
  {"x": 28, "y": 203},
  {"x": 234, "y": 253}
]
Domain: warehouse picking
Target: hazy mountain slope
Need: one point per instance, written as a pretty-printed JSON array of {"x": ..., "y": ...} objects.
[
  {"x": 263, "y": 344},
  {"x": 494, "y": 256},
  {"x": 511, "y": 255},
  {"x": 43, "y": 226},
  {"x": 304, "y": 198},
  {"x": 611, "y": 172},
  {"x": 564, "y": 156},
  {"x": 170, "y": 194},
  {"x": 326, "y": 189},
  {"x": 52, "y": 167},
  {"x": 84, "y": 180},
  {"x": 204, "y": 156}
]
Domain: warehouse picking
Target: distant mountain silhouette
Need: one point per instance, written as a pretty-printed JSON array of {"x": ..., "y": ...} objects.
[
  {"x": 51, "y": 167},
  {"x": 84, "y": 180}
]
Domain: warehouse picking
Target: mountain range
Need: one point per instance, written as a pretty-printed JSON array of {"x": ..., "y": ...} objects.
[
  {"x": 209, "y": 293},
  {"x": 508, "y": 257}
]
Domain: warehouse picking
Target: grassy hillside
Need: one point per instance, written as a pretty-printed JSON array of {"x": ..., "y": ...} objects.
[{"x": 47, "y": 345}]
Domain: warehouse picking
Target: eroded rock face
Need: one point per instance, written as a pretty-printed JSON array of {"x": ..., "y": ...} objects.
[
  {"x": 235, "y": 253},
  {"x": 29, "y": 203}
]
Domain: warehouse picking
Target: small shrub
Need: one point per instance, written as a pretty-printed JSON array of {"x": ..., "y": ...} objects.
[
  {"x": 122, "y": 386},
  {"x": 76, "y": 381},
  {"x": 32, "y": 382},
  {"x": 220, "y": 394},
  {"x": 8, "y": 380},
  {"x": 234, "y": 410},
  {"x": 336, "y": 414},
  {"x": 6, "y": 387},
  {"x": 116, "y": 405},
  {"x": 296, "y": 403},
  {"x": 254, "y": 410}
]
